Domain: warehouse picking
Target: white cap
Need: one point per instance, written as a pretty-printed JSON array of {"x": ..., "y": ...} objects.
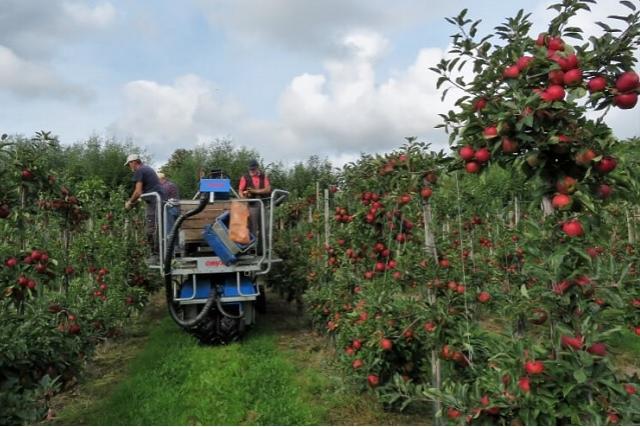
[
  {"x": 160, "y": 175},
  {"x": 131, "y": 158}
]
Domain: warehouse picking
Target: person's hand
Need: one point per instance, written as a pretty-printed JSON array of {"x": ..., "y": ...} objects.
[{"x": 127, "y": 205}]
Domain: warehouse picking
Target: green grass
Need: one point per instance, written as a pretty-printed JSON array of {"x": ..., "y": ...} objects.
[{"x": 175, "y": 381}]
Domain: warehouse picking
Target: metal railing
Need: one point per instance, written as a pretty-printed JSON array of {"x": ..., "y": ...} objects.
[
  {"x": 159, "y": 223},
  {"x": 264, "y": 242}
]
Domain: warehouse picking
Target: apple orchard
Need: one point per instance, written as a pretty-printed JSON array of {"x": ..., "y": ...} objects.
[
  {"x": 494, "y": 286},
  {"x": 497, "y": 284}
]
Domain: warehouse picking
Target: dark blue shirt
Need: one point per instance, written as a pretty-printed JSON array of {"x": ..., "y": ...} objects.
[{"x": 150, "y": 181}]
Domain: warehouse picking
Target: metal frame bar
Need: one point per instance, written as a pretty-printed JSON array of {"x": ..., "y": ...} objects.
[
  {"x": 195, "y": 290},
  {"x": 159, "y": 227}
]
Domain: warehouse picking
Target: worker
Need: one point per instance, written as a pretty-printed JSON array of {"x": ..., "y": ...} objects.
[
  {"x": 255, "y": 185},
  {"x": 173, "y": 202},
  {"x": 146, "y": 181}
]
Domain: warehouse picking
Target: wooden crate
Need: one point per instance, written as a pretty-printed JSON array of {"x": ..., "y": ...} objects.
[{"x": 191, "y": 229}]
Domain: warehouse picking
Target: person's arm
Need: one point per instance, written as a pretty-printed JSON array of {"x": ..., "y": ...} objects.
[
  {"x": 137, "y": 192},
  {"x": 242, "y": 186}
]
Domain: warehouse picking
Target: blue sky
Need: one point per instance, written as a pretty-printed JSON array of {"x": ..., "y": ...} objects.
[{"x": 290, "y": 78}]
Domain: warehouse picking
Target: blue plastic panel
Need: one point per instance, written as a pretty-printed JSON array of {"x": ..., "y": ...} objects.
[
  {"x": 230, "y": 287},
  {"x": 215, "y": 185},
  {"x": 218, "y": 246},
  {"x": 203, "y": 288}
]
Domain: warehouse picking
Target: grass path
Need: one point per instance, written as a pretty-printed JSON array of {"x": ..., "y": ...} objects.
[{"x": 280, "y": 374}]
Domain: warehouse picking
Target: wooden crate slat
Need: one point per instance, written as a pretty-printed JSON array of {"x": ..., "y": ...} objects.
[{"x": 190, "y": 236}]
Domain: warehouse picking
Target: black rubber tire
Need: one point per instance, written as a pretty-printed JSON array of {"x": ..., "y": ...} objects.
[{"x": 218, "y": 329}]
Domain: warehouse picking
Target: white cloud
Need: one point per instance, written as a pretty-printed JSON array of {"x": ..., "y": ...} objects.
[
  {"x": 346, "y": 111},
  {"x": 36, "y": 29},
  {"x": 339, "y": 113},
  {"x": 29, "y": 79},
  {"x": 166, "y": 117},
  {"x": 100, "y": 16},
  {"x": 316, "y": 26}
]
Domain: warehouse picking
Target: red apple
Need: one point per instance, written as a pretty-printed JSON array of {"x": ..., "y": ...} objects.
[
  {"x": 404, "y": 199},
  {"x": 584, "y": 157},
  {"x": 484, "y": 400},
  {"x": 554, "y": 93},
  {"x": 5, "y": 210},
  {"x": 604, "y": 191},
  {"x": 511, "y": 72},
  {"x": 566, "y": 185},
  {"x": 572, "y": 342},
  {"x": 466, "y": 153},
  {"x": 556, "y": 77},
  {"x": 483, "y": 155},
  {"x": 26, "y": 175},
  {"x": 490, "y": 132},
  {"x": 597, "y": 84},
  {"x": 479, "y": 104},
  {"x": 573, "y": 77},
  {"x": 534, "y": 367},
  {"x": 573, "y": 228},
  {"x": 606, "y": 165},
  {"x": 572, "y": 61},
  {"x": 429, "y": 327},
  {"x": 561, "y": 201},
  {"x": 472, "y": 167},
  {"x": 484, "y": 297},
  {"x": 426, "y": 192},
  {"x": 627, "y": 81},
  {"x": 386, "y": 344},
  {"x": 598, "y": 348},
  {"x": 373, "y": 380},
  {"x": 625, "y": 101},
  {"x": 453, "y": 413},
  {"x": 523, "y": 62},
  {"x": 555, "y": 43},
  {"x": 509, "y": 145},
  {"x": 524, "y": 385}
]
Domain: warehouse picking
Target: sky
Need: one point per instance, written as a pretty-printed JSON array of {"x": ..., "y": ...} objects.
[{"x": 288, "y": 78}]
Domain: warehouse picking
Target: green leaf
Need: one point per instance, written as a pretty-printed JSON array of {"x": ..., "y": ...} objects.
[
  {"x": 574, "y": 36},
  {"x": 523, "y": 291},
  {"x": 566, "y": 389},
  {"x": 628, "y": 4},
  {"x": 580, "y": 376}
]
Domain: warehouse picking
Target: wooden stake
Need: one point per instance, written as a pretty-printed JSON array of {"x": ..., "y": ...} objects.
[{"x": 326, "y": 216}]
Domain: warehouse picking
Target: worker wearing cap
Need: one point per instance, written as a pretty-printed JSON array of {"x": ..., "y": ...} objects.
[
  {"x": 146, "y": 181},
  {"x": 255, "y": 185}
]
